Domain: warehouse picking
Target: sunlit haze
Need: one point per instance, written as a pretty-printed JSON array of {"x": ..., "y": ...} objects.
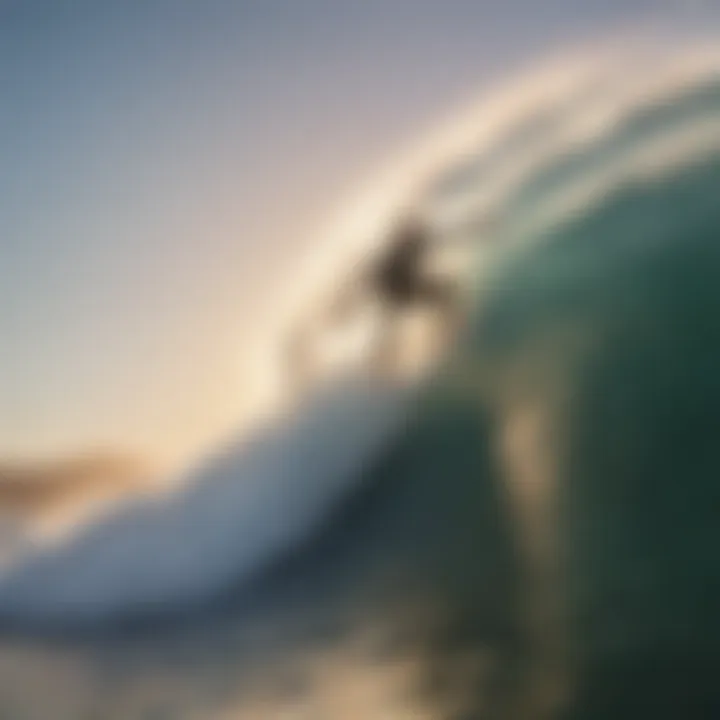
[{"x": 165, "y": 166}]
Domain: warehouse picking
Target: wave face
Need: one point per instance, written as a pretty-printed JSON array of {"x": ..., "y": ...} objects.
[{"x": 616, "y": 146}]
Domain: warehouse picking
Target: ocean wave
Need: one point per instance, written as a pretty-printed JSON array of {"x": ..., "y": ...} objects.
[{"x": 534, "y": 155}]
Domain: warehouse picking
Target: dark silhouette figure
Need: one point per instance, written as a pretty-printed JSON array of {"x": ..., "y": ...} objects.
[
  {"x": 400, "y": 282},
  {"x": 399, "y": 278}
]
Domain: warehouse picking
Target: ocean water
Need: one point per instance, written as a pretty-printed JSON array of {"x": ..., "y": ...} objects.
[{"x": 536, "y": 528}]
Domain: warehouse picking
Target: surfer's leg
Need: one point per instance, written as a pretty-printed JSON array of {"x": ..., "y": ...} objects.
[
  {"x": 442, "y": 297},
  {"x": 387, "y": 348}
]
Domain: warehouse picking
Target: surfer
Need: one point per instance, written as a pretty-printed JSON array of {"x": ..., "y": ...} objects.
[{"x": 399, "y": 282}]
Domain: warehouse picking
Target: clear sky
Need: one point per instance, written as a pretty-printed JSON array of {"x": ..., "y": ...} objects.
[{"x": 162, "y": 162}]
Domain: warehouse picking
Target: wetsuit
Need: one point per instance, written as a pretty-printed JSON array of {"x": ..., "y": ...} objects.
[
  {"x": 399, "y": 282},
  {"x": 399, "y": 278}
]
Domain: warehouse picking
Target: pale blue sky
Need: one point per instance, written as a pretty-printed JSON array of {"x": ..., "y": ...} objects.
[{"x": 162, "y": 160}]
